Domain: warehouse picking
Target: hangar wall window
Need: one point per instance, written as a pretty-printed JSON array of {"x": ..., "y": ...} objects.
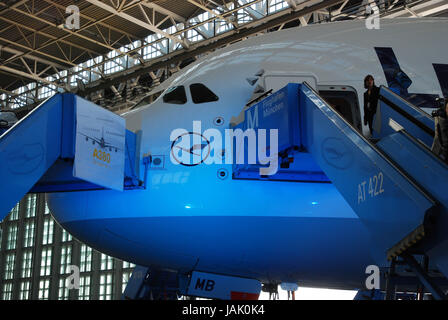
[
  {"x": 175, "y": 95},
  {"x": 31, "y": 206},
  {"x": 277, "y": 5},
  {"x": 63, "y": 290},
  {"x": 156, "y": 46},
  {"x": 25, "y": 97},
  {"x": 12, "y": 237},
  {"x": 9, "y": 266},
  {"x": 114, "y": 63},
  {"x": 66, "y": 259},
  {"x": 79, "y": 73},
  {"x": 172, "y": 44},
  {"x": 66, "y": 237},
  {"x": 28, "y": 239},
  {"x": 84, "y": 288},
  {"x": 45, "y": 262},
  {"x": 107, "y": 263},
  {"x": 46, "y": 91},
  {"x": 25, "y": 288},
  {"x": 7, "y": 291},
  {"x": 15, "y": 213},
  {"x": 86, "y": 259},
  {"x": 27, "y": 263},
  {"x": 222, "y": 26},
  {"x": 47, "y": 210},
  {"x": 201, "y": 94},
  {"x": 47, "y": 237},
  {"x": 126, "y": 277},
  {"x": 44, "y": 289},
  {"x": 106, "y": 284},
  {"x": 194, "y": 36},
  {"x": 128, "y": 265}
]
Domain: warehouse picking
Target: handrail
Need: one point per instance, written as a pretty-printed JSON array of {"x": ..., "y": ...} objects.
[{"x": 406, "y": 114}]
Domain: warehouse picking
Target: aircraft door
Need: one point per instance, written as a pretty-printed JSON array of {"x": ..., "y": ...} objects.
[{"x": 344, "y": 100}]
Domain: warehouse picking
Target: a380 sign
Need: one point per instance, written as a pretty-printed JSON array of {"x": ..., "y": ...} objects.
[{"x": 101, "y": 155}]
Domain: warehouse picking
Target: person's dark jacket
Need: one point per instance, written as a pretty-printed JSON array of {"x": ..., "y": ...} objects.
[{"x": 370, "y": 109}]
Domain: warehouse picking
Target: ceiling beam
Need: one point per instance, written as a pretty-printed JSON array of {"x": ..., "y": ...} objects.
[
  {"x": 52, "y": 40},
  {"x": 99, "y": 43},
  {"x": 420, "y": 9},
  {"x": 156, "y": 7},
  {"x": 9, "y": 7},
  {"x": 31, "y": 57},
  {"x": 136, "y": 21},
  {"x": 31, "y": 76},
  {"x": 86, "y": 26},
  {"x": 17, "y": 56},
  {"x": 199, "y": 5}
]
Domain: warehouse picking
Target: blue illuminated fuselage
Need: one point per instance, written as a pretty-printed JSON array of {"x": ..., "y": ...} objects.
[{"x": 285, "y": 231}]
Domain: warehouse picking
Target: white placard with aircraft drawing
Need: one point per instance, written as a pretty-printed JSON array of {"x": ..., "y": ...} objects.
[{"x": 100, "y": 145}]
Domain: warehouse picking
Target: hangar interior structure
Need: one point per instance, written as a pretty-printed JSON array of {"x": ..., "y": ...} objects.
[{"x": 120, "y": 56}]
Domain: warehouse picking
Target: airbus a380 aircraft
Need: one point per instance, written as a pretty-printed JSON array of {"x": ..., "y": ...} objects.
[{"x": 197, "y": 218}]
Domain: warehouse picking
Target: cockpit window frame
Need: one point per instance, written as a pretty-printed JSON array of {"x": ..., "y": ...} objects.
[
  {"x": 194, "y": 95},
  {"x": 172, "y": 89}
]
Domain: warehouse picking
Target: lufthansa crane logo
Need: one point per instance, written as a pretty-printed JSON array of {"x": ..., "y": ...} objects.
[{"x": 190, "y": 149}]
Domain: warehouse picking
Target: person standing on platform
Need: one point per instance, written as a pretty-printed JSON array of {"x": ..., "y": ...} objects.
[{"x": 370, "y": 100}]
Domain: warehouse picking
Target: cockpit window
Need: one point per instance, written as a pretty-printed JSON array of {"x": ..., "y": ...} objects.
[
  {"x": 201, "y": 93},
  {"x": 175, "y": 95}
]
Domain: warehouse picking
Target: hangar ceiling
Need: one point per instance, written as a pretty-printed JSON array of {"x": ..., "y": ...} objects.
[{"x": 125, "y": 48}]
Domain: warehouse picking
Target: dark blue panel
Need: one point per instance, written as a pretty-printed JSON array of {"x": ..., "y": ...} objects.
[
  {"x": 396, "y": 78},
  {"x": 399, "y": 81}
]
